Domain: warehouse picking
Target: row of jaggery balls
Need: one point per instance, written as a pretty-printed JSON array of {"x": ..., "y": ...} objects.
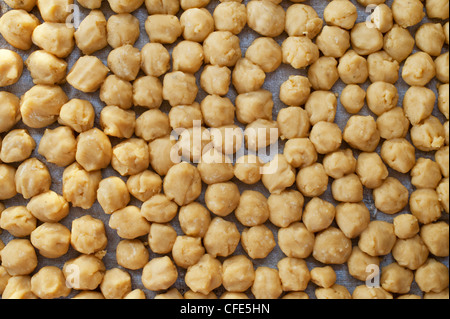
[{"x": 331, "y": 245}]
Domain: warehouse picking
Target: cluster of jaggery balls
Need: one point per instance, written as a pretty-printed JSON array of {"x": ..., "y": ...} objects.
[{"x": 401, "y": 136}]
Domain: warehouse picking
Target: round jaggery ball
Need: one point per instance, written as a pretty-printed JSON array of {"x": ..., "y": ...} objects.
[
  {"x": 299, "y": 52},
  {"x": 184, "y": 116},
  {"x": 253, "y": 208},
  {"x": 194, "y": 219},
  {"x": 125, "y": 62},
  {"x": 260, "y": 134},
  {"x": 52, "y": 240},
  {"x": 36, "y": 116},
  {"x": 84, "y": 272},
  {"x": 358, "y": 264},
  {"x": 267, "y": 283},
  {"x": 410, "y": 252},
  {"x": 77, "y": 114},
  {"x": 437, "y": 9},
  {"x": 122, "y": 29},
  {"x": 132, "y": 254},
  {"x": 222, "y": 198},
  {"x": 424, "y": 204},
  {"x": 326, "y": 137},
  {"x": 339, "y": 163},
  {"x": 129, "y": 223},
  {"x": 258, "y": 241},
  {"x": 300, "y": 152},
  {"x": 285, "y": 207},
  {"x": 432, "y": 276},
  {"x": 381, "y": 97},
  {"x": 341, "y": 14},
  {"x": 88, "y": 235},
  {"x": 27, "y": 5},
  {"x": 441, "y": 157},
  {"x": 32, "y": 178},
  {"x": 419, "y": 69},
  {"x": 443, "y": 191},
  {"x": 18, "y": 287},
  {"x": 152, "y": 124},
  {"x": 321, "y": 106},
  {"x": 91, "y": 34},
  {"x": 217, "y": 111},
  {"x": 58, "y": 146},
  {"x": 429, "y": 135},
  {"x": 366, "y": 40},
  {"x": 215, "y": 167},
  {"x": 278, "y": 174},
  {"x": 383, "y": 67},
  {"x": 334, "y": 292},
  {"x": 393, "y": 124},
  {"x": 398, "y": 43},
  {"x": 204, "y": 276},
  {"x": 87, "y": 74},
  {"x": 179, "y": 88},
  {"x": 296, "y": 240},
  {"x": 425, "y": 173},
  {"x": 295, "y": 91},
  {"x": 187, "y": 251},
  {"x": 391, "y": 196},
  {"x": 396, "y": 279},
  {"x": 361, "y": 133},
  {"x": 352, "y": 218},
  {"x": 116, "y": 284},
  {"x": 159, "y": 274},
  {"x": 331, "y": 246},
  {"x": 266, "y": 18},
  {"x": 19, "y": 257},
  {"x": 230, "y": 16},
  {"x": 435, "y": 236},
  {"x": 163, "y": 28},
  {"x": 323, "y": 276},
  {"x": 293, "y": 122},
  {"x": 371, "y": 169},
  {"x": 442, "y": 68},
  {"x": 49, "y": 283},
  {"x": 7, "y": 176},
  {"x": 197, "y": 24},
  {"x": 378, "y": 238},
  {"x": 318, "y": 214},
  {"x": 237, "y": 273},
  {"x": 155, "y": 59},
  {"x": 130, "y": 157},
  {"x": 162, "y": 7},
  {"x": 117, "y": 92},
  {"x": 353, "y": 98},
  {"x": 144, "y": 185},
  {"x": 215, "y": 79},
  {"x": 48, "y": 207},
  {"x": 312, "y": 180},
  {"x": 405, "y": 226},
  {"x": 265, "y": 52},
  {"x": 365, "y": 292},
  {"x": 302, "y": 20},
  {"x": 430, "y": 38},
  {"x": 159, "y": 209},
  {"x": 248, "y": 169},
  {"x": 11, "y": 67},
  {"x": 18, "y": 221},
  {"x": 182, "y": 184},
  {"x": 255, "y": 105},
  {"x": 17, "y": 26},
  {"x": 294, "y": 274},
  {"x": 162, "y": 238},
  {"x": 407, "y": 13},
  {"x": 353, "y": 68},
  {"x": 398, "y": 154},
  {"x": 9, "y": 111},
  {"x": 347, "y": 189},
  {"x": 333, "y": 41},
  {"x": 323, "y": 73},
  {"x": 187, "y": 56},
  {"x": 117, "y": 122},
  {"x": 382, "y": 18},
  {"x": 94, "y": 150},
  {"x": 222, "y": 48}
]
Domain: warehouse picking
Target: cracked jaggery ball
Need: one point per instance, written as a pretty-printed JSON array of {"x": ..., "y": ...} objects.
[
  {"x": 299, "y": 52},
  {"x": 302, "y": 20}
]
